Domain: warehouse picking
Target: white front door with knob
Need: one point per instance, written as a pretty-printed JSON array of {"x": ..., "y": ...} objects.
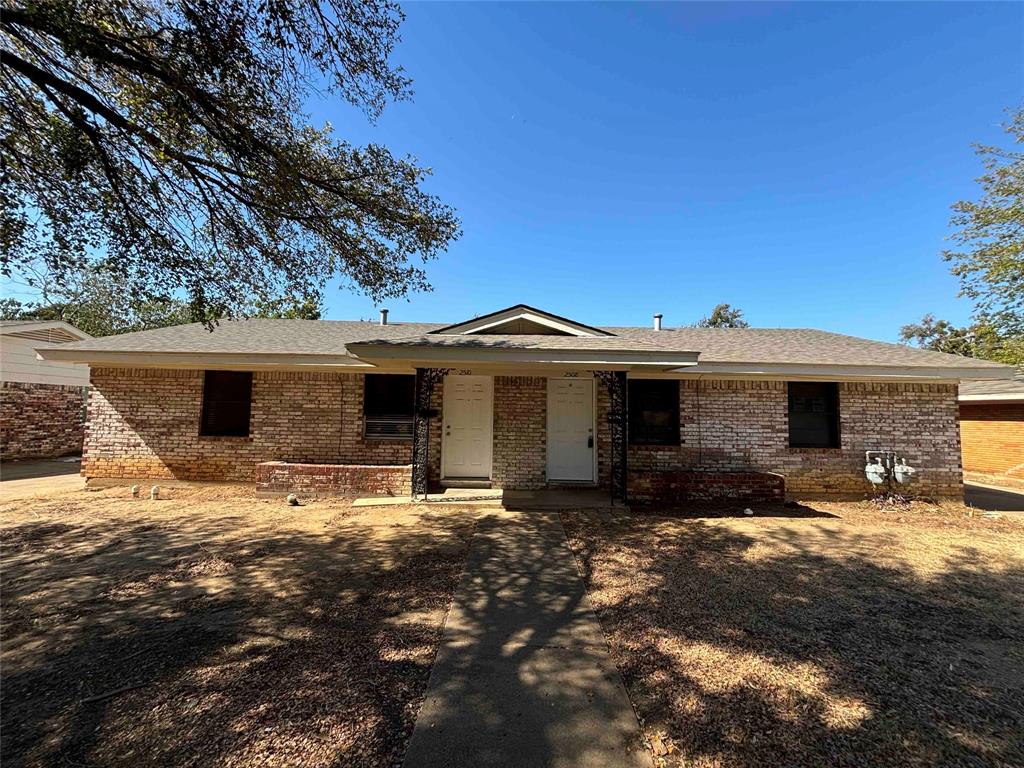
[
  {"x": 468, "y": 424},
  {"x": 571, "y": 448}
]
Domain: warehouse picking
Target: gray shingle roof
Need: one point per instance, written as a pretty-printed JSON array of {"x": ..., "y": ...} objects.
[
  {"x": 715, "y": 345},
  {"x": 1005, "y": 387}
]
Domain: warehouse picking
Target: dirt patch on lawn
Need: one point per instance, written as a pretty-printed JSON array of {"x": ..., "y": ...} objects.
[
  {"x": 211, "y": 628},
  {"x": 862, "y": 637}
]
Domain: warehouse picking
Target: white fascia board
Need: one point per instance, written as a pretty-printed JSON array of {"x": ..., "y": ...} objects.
[
  {"x": 545, "y": 356},
  {"x": 211, "y": 360},
  {"x": 516, "y": 313},
  {"x": 533, "y": 318},
  {"x": 822, "y": 372}
]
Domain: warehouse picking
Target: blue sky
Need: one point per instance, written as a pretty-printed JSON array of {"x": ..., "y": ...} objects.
[{"x": 613, "y": 160}]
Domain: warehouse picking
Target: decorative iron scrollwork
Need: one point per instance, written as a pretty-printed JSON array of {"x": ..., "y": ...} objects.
[
  {"x": 618, "y": 421},
  {"x": 426, "y": 378}
]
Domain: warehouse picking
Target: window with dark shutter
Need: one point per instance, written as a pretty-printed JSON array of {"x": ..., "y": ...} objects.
[
  {"x": 227, "y": 403},
  {"x": 388, "y": 401},
  {"x": 653, "y": 411},
  {"x": 813, "y": 414}
]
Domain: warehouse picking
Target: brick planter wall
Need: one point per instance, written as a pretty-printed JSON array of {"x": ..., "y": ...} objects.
[
  {"x": 39, "y": 421},
  {"x": 669, "y": 486},
  {"x": 278, "y": 477},
  {"x": 993, "y": 438}
]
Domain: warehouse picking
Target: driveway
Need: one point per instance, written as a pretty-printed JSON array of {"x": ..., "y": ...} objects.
[
  {"x": 19, "y": 479},
  {"x": 991, "y": 498}
]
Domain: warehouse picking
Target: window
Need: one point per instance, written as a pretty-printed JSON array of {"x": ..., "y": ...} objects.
[
  {"x": 227, "y": 402},
  {"x": 388, "y": 402},
  {"x": 813, "y": 415},
  {"x": 653, "y": 411}
]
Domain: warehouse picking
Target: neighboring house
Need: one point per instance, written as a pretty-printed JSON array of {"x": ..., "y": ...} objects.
[
  {"x": 992, "y": 427},
  {"x": 42, "y": 402},
  {"x": 519, "y": 399}
]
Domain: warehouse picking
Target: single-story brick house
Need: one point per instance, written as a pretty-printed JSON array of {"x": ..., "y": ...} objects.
[
  {"x": 42, "y": 402},
  {"x": 992, "y": 427},
  {"x": 519, "y": 399}
]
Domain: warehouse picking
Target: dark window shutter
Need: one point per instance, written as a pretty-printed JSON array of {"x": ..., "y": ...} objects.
[
  {"x": 653, "y": 411},
  {"x": 227, "y": 404},
  {"x": 388, "y": 403},
  {"x": 813, "y": 414}
]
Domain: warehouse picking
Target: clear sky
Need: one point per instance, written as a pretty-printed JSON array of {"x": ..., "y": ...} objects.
[{"x": 609, "y": 161}]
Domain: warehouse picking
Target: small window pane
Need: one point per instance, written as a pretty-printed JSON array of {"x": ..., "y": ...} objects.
[
  {"x": 653, "y": 411},
  {"x": 813, "y": 415},
  {"x": 388, "y": 404},
  {"x": 227, "y": 404}
]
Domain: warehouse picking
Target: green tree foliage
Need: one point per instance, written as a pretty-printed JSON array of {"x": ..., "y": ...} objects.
[
  {"x": 165, "y": 142},
  {"x": 723, "y": 316},
  {"x": 990, "y": 234},
  {"x": 981, "y": 339},
  {"x": 989, "y": 262},
  {"x": 97, "y": 303},
  {"x": 101, "y": 305}
]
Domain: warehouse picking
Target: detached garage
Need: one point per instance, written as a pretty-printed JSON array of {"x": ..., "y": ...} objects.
[
  {"x": 42, "y": 402},
  {"x": 992, "y": 427}
]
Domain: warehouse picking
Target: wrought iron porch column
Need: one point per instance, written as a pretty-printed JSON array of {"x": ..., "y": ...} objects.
[
  {"x": 425, "y": 380},
  {"x": 618, "y": 421}
]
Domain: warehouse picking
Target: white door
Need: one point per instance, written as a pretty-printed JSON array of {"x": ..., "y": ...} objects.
[
  {"x": 571, "y": 430},
  {"x": 467, "y": 418}
]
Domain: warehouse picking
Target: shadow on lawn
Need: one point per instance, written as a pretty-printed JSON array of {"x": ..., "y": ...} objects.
[
  {"x": 273, "y": 647},
  {"x": 795, "y": 646},
  {"x": 697, "y": 510}
]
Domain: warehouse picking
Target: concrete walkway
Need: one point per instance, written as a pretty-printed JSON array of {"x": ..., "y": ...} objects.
[{"x": 523, "y": 676}]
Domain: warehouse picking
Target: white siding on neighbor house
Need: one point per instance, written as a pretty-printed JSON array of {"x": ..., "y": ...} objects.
[{"x": 18, "y": 362}]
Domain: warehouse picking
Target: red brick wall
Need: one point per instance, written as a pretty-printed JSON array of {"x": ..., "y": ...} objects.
[
  {"x": 993, "y": 438},
  {"x": 145, "y": 423},
  {"x": 520, "y": 432},
  {"x": 41, "y": 420},
  {"x": 743, "y": 425},
  {"x": 275, "y": 477}
]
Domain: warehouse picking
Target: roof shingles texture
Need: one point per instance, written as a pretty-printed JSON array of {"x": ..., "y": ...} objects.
[{"x": 715, "y": 345}]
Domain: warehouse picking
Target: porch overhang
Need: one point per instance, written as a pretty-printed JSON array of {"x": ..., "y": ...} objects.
[{"x": 493, "y": 356}]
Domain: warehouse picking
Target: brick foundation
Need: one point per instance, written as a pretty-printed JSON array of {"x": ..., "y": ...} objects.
[
  {"x": 278, "y": 477},
  {"x": 647, "y": 487},
  {"x": 39, "y": 421},
  {"x": 993, "y": 438}
]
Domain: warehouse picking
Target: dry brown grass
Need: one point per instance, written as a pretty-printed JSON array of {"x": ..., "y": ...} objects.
[
  {"x": 256, "y": 633},
  {"x": 856, "y": 638}
]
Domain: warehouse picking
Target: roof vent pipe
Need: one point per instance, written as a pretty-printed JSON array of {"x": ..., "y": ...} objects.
[
  {"x": 383, "y": 317},
  {"x": 657, "y": 322}
]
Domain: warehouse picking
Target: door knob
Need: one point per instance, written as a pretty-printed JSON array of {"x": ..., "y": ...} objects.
[{"x": 590, "y": 442}]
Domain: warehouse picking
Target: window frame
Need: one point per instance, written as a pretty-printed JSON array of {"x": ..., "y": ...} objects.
[
  {"x": 205, "y": 428},
  {"x": 834, "y": 426},
  {"x": 389, "y": 418},
  {"x": 673, "y": 437}
]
